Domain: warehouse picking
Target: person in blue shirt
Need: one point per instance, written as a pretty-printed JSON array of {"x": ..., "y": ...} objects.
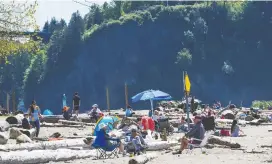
[
  {"x": 34, "y": 116},
  {"x": 197, "y": 132},
  {"x": 129, "y": 111},
  {"x": 106, "y": 141},
  {"x": 137, "y": 141},
  {"x": 235, "y": 129}
]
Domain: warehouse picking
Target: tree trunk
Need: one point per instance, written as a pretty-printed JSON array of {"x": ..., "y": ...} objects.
[
  {"x": 17, "y": 119},
  {"x": 45, "y": 145},
  {"x": 44, "y": 156},
  {"x": 142, "y": 159}
]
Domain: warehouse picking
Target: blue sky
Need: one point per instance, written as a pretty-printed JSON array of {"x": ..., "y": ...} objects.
[{"x": 60, "y": 9}]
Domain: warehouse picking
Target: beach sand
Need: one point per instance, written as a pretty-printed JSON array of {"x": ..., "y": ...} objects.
[{"x": 256, "y": 136}]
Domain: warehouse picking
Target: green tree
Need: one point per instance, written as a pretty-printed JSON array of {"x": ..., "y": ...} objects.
[{"x": 16, "y": 17}]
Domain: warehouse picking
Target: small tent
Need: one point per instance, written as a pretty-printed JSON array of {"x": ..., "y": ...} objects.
[{"x": 47, "y": 112}]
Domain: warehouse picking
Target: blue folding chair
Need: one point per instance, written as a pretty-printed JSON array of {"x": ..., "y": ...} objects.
[{"x": 104, "y": 152}]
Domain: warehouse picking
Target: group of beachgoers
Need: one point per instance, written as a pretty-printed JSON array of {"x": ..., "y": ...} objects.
[{"x": 194, "y": 134}]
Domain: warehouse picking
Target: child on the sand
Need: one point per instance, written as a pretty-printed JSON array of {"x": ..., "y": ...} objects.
[
  {"x": 25, "y": 122},
  {"x": 235, "y": 129}
]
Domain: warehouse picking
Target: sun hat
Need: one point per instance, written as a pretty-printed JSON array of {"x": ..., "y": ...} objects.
[
  {"x": 102, "y": 125},
  {"x": 66, "y": 108},
  {"x": 95, "y": 106},
  {"x": 198, "y": 117}
]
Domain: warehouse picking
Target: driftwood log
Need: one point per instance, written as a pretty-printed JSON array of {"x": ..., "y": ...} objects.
[
  {"x": 44, "y": 156},
  {"x": 45, "y": 145},
  {"x": 160, "y": 145},
  {"x": 229, "y": 121},
  {"x": 66, "y": 122},
  {"x": 45, "y": 124},
  {"x": 55, "y": 118},
  {"x": 223, "y": 141},
  {"x": 17, "y": 119},
  {"x": 142, "y": 159},
  {"x": 4, "y": 126}
]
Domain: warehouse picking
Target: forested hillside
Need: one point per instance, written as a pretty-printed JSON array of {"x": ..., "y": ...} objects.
[{"x": 224, "y": 46}]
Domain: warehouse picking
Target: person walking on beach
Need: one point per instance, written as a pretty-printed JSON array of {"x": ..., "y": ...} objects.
[
  {"x": 35, "y": 115},
  {"x": 76, "y": 103}
]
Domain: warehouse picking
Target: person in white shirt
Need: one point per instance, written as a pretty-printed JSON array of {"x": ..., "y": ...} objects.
[{"x": 95, "y": 112}]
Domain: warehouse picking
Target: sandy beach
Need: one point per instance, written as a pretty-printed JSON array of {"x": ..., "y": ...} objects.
[{"x": 256, "y": 137}]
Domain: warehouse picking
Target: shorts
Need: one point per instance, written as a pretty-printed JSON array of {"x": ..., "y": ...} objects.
[
  {"x": 113, "y": 143},
  {"x": 195, "y": 142},
  {"x": 76, "y": 107}
]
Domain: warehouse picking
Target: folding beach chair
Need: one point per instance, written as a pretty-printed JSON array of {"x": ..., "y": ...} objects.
[
  {"x": 106, "y": 152},
  {"x": 202, "y": 144}
]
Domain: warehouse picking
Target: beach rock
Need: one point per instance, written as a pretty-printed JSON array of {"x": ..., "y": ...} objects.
[
  {"x": 4, "y": 126},
  {"x": 17, "y": 119},
  {"x": 23, "y": 139},
  {"x": 55, "y": 135},
  {"x": 142, "y": 159},
  {"x": 29, "y": 132},
  {"x": 3, "y": 138},
  {"x": 249, "y": 118},
  {"x": 14, "y": 133}
]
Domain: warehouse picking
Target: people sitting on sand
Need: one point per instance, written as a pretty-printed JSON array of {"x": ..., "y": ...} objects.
[
  {"x": 129, "y": 112},
  {"x": 196, "y": 134},
  {"x": 235, "y": 129},
  {"x": 65, "y": 113},
  {"x": 137, "y": 141},
  {"x": 105, "y": 140},
  {"x": 95, "y": 112},
  {"x": 34, "y": 116},
  {"x": 183, "y": 125},
  {"x": 208, "y": 121},
  {"x": 157, "y": 116},
  {"x": 25, "y": 122}
]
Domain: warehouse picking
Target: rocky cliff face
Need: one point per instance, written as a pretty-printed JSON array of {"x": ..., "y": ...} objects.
[{"x": 144, "y": 54}]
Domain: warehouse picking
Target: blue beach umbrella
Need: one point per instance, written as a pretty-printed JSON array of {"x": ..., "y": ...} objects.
[
  {"x": 108, "y": 120},
  {"x": 151, "y": 95}
]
